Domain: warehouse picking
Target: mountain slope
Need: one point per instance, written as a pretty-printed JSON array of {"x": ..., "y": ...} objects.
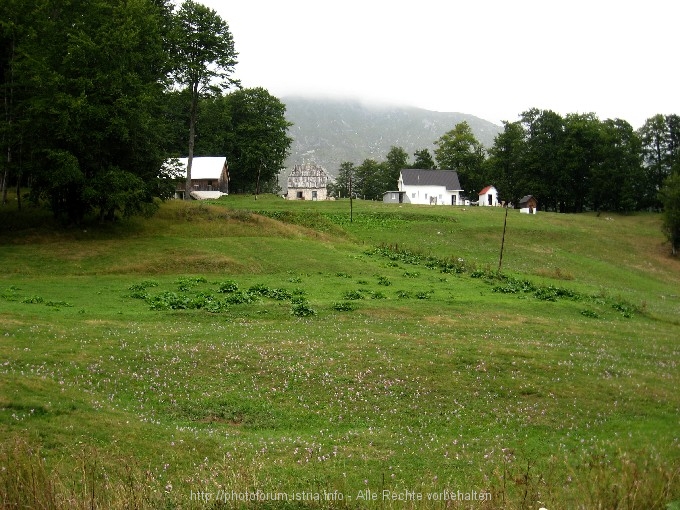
[{"x": 331, "y": 132}]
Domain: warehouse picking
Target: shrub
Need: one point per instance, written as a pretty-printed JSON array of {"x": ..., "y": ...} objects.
[
  {"x": 344, "y": 306},
  {"x": 239, "y": 298},
  {"x": 184, "y": 283},
  {"x": 302, "y": 309},
  {"x": 383, "y": 280},
  {"x": 33, "y": 300},
  {"x": 227, "y": 286},
  {"x": 353, "y": 295}
]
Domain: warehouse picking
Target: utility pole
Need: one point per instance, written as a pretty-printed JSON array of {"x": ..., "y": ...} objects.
[
  {"x": 350, "y": 196},
  {"x": 500, "y": 260}
]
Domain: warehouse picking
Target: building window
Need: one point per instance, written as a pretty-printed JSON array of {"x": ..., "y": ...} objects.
[
  {"x": 299, "y": 195},
  {"x": 413, "y": 195}
]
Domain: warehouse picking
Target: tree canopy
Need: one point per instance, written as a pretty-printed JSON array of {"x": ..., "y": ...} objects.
[
  {"x": 258, "y": 143},
  {"x": 459, "y": 150},
  {"x": 83, "y": 84},
  {"x": 203, "y": 60},
  {"x": 98, "y": 95}
]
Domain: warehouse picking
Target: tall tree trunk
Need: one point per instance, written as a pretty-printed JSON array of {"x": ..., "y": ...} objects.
[
  {"x": 257, "y": 183},
  {"x": 5, "y": 177},
  {"x": 19, "y": 192},
  {"x": 192, "y": 138}
]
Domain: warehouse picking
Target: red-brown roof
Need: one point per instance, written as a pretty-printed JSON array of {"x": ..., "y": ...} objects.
[{"x": 484, "y": 191}]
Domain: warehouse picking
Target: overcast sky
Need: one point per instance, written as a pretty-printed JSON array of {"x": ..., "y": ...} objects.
[{"x": 489, "y": 58}]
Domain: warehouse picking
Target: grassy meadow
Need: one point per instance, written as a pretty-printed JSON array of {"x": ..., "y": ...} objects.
[{"x": 272, "y": 354}]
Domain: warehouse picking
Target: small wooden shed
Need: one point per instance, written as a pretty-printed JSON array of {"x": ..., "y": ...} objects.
[
  {"x": 308, "y": 182},
  {"x": 528, "y": 205}
]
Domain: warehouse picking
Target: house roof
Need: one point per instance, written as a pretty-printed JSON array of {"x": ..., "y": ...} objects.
[
  {"x": 526, "y": 198},
  {"x": 206, "y": 195},
  {"x": 203, "y": 167},
  {"x": 486, "y": 190},
  {"x": 308, "y": 175},
  {"x": 415, "y": 177}
]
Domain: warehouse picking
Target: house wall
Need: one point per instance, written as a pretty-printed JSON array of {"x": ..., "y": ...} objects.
[
  {"x": 391, "y": 197},
  {"x": 423, "y": 195},
  {"x": 484, "y": 199},
  {"x": 530, "y": 207},
  {"x": 307, "y": 194},
  {"x": 219, "y": 183}
]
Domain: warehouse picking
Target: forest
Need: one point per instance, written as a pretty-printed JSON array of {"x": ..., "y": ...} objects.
[
  {"x": 98, "y": 94},
  {"x": 573, "y": 163}
]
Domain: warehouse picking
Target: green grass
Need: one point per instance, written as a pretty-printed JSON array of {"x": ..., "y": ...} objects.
[{"x": 267, "y": 345}]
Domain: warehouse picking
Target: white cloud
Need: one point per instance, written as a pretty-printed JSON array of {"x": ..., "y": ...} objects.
[{"x": 490, "y": 58}]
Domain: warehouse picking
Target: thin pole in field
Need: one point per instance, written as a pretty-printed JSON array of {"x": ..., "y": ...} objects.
[
  {"x": 350, "y": 197},
  {"x": 505, "y": 223}
]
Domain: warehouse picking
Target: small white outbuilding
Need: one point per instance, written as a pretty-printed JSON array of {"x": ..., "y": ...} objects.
[{"x": 488, "y": 197}]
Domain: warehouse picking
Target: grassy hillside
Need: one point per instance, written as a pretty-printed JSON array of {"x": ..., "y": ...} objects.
[{"x": 266, "y": 349}]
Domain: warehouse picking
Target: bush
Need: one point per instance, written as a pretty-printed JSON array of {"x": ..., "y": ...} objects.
[
  {"x": 302, "y": 309},
  {"x": 228, "y": 286},
  {"x": 344, "y": 306}
]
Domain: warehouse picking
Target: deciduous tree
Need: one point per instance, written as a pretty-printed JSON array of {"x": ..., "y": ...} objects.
[
  {"x": 91, "y": 75},
  {"x": 423, "y": 160},
  {"x": 669, "y": 196},
  {"x": 204, "y": 60},
  {"x": 344, "y": 182},
  {"x": 505, "y": 165},
  {"x": 459, "y": 150},
  {"x": 258, "y": 143}
]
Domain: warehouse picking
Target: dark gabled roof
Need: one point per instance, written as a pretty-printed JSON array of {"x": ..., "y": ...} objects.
[
  {"x": 526, "y": 198},
  {"x": 446, "y": 178}
]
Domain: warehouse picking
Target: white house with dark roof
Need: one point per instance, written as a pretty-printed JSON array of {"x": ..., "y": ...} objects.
[{"x": 430, "y": 187}]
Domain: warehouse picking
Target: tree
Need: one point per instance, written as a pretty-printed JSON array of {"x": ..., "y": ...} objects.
[
  {"x": 369, "y": 180},
  {"x": 660, "y": 136},
  {"x": 86, "y": 83},
  {"x": 542, "y": 163},
  {"x": 396, "y": 160},
  {"x": 259, "y": 141},
  {"x": 617, "y": 179},
  {"x": 669, "y": 195},
  {"x": 344, "y": 181},
  {"x": 580, "y": 154},
  {"x": 205, "y": 57},
  {"x": 423, "y": 160},
  {"x": 459, "y": 150},
  {"x": 505, "y": 165}
]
